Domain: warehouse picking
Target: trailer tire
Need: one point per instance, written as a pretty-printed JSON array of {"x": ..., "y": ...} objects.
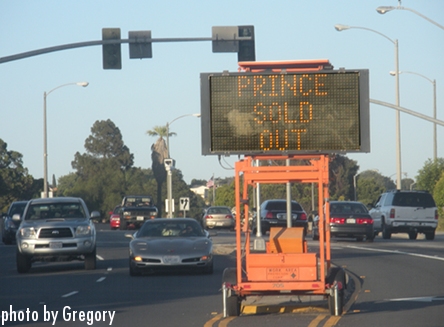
[
  {"x": 336, "y": 275},
  {"x": 229, "y": 276}
]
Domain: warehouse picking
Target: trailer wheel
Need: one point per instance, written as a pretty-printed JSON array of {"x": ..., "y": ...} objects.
[
  {"x": 336, "y": 276},
  {"x": 233, "y": 301}
]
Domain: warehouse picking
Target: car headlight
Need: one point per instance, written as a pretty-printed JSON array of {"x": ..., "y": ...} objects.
[
  {"x": 28, "y": 232},
  {"x": 83, "y": 230}
]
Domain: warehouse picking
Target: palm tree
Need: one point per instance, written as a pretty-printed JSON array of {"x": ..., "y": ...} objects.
[{"x": 158, "y": 154}]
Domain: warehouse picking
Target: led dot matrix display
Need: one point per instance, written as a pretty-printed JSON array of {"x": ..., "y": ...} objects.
[{"x": 304, "y": 112}]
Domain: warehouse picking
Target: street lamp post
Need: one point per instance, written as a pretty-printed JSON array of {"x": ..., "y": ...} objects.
[
  {"x": 45, "y": 142},
  {"x": 171, "y": 166},
  {"x": 435, "y": 142},
  {"x": 340, "y": 27},
  {"x": 384, "y": 9}
]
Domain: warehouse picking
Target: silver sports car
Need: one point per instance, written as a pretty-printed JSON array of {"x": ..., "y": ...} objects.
[{"x": 164, "y": 244}]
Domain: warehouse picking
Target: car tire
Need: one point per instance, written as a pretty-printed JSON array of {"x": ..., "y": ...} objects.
[
  {"x": 23, "y": 263},
  {"x": 386, "y": 233},
  {"x": 315, "y": 236},
  {"x": 430, "y": 236},
  {"x": 7, "y": 240},
  {"x": 370, "y": 238},
  {"x": 208, "y": 270},
  {"x": 413, "y": 235},
  {"x": 133, "y": 271},
  {"x": 122, "y": 224},
  {"x": 90, "y": 260},
  {"x": 359, "y": 239}
]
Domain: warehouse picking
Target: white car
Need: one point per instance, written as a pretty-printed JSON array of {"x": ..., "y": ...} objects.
[{"x": 410, "y": 212}]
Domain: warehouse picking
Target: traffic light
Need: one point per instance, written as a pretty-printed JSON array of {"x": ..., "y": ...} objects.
[
  {"x": 112, "y": 57},
  {"x": 246, "y": 47}
]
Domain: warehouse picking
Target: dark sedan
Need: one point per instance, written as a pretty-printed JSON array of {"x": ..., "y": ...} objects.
[
  {"x": 170, "y": 244},
  {"x": 10, "y": 225},
  {"x": 348, "y": 219},
  {"x": 274, "y": 214}
]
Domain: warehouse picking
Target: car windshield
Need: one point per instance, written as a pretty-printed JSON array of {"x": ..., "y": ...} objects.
[
  {"x": 17, "y": 208},
  {"x": 170, "y": 229},
  {"x": 348, "y": 208},
  {"x": 55, "y": 211},
  {"x": 137, "y": 201}
]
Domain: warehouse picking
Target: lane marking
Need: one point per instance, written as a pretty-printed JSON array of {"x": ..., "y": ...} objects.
[
  {"x": 101, "y": 279},
  {"x": 213, "y": 320},
  {"x": 70, "y": 294},
  {"x": 99, "y": 257},
  {"x": 224, "y": 323},
  {"x": 398, "y": 252},
  {"x": 317, "y": 320}
]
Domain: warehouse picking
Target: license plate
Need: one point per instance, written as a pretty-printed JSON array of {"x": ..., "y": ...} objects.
[
  {"x": 171, "y": 259},
  {"x": 219, "y": 224},
  {"x": 140, "y": 218},
  {"x": 55, "y": 245},
  {"x": 351, "y": 221}
]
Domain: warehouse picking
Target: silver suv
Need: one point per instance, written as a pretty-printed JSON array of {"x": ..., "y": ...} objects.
[
  {"x": 56, "y": 229},
  {"x": 410, "y": 212}
]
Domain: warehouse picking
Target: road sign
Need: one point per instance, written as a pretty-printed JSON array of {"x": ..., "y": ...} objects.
[
  {"x": 185, "y": 204},
  {"x": 325, "y": 111}
]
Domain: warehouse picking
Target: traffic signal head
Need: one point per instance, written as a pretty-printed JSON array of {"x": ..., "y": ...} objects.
[
  {"x": 112, "y": 57},
  {"x": 246, "y": 47}
]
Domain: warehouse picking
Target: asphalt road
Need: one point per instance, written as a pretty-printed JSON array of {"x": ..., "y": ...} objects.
[{"x": 395, "y": 282}]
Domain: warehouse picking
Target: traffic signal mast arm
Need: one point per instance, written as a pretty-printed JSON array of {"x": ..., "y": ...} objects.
[{"x": 108, "y": 42}]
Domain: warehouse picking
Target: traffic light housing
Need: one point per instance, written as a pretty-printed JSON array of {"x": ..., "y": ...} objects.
[
  {"x": 112, "y": 56},
  {"x": 246, "y": 50}
]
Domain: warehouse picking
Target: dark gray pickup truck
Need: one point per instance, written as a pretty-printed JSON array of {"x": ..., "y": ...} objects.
[{"x": 135, "y": 210}]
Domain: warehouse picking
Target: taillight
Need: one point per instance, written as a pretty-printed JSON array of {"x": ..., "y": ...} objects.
[
  {"x": 229, "y": 216},
  {"x": 436, "y": 215},
  {"x": 208, "y": 217},
  {"x": 337, "y": 220},
  {"x": 392, "y": 213},
  {"x": 269, "y": 215},
  {"x": 364, "y": 221},
  {"x": 303, "y": 216}
]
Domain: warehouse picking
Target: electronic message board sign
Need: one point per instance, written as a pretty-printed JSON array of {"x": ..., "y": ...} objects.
[{"x": 285, "y": 112}]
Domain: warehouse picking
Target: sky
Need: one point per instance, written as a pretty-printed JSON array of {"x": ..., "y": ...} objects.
[{"x": 151, "y": 92}]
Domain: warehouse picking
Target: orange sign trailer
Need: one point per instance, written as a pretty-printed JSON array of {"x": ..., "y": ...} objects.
[{"x": 285, "y": 267}]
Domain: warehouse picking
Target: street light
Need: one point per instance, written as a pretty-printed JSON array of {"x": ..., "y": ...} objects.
[
  {"x": 45, "y": 142},
  {"x": 435, "y": 142},
  {"x": 340, "y": 27},
  {"x": 170, "y": 166},
  {"x": 384, "y": 9}
]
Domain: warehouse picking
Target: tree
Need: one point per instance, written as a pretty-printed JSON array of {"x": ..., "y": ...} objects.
[
  {"x": 430, "y": 174},
  {"x": 101, "y": 172},
  {"x": 159, "y": 152},
  {"x": 370, "y": 185},
  {"x": 342, "y": 170},
  {"x": 15, "y": 182},
  {"x": 438, "y": 195}
]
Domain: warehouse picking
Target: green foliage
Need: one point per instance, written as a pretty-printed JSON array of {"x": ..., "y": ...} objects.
[
  {"x": 438, "y": 195},
  {"x": 430, "y": 174},
  {"x": 15, "y": 183},
  {"x": 371, "y": 184}
]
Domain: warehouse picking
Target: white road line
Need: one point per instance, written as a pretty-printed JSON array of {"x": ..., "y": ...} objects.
[
  {"x": 70, "y": 294},
  {"x": 398, "y": 252},
  {"x": 99, "y": 257},
  {"x": 101, "y": 279}
]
